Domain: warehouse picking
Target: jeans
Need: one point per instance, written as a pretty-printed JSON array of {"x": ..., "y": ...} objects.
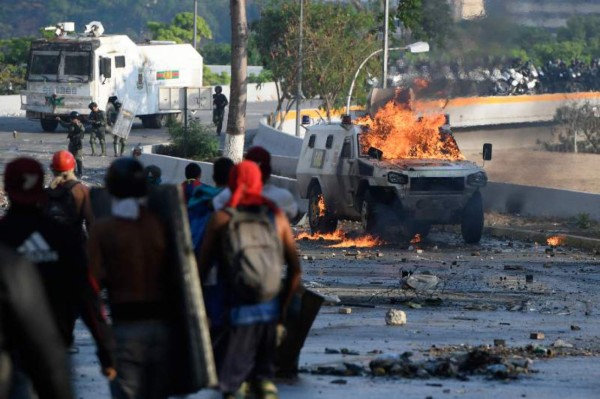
[{"x": 142, "y": 355}]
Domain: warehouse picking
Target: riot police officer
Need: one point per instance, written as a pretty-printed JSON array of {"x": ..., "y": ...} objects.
[
  {"x": 97, "y": 119},
  {"x": 75, "y": 135}
]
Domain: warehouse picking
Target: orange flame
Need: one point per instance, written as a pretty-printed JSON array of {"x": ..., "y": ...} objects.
[
  {"x": 420, "y": 83},
  {"x": 397, "y": 132},
  {"x": 321, "y": 205},
  {"x": 366, "y": 241},
  {"x": 335, "y": 236},
  {"x": 555, "y": 241},
  {"x": 416, "y": 239}
]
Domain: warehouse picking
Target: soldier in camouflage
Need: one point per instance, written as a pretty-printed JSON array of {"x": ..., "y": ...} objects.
[
  {"x": 76, "y": 135},
  {"x": 97, "y": 119}
]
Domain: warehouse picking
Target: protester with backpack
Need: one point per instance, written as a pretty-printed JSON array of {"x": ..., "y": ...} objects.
[
  {"x": 193, "y": 173},
  {"x": 250, "y": 240},
  {"x": 68, "y": 199}
]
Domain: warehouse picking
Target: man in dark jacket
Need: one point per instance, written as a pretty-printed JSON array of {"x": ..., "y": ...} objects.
[
  {"x": 75, "y": 136},
  {"x": 219, "y": 104},
  {"x": 58, "y": 253},
  {"x": 28, "y": 333}
]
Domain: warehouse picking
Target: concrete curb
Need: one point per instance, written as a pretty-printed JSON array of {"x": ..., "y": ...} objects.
[{"x": 539, "y": 237}]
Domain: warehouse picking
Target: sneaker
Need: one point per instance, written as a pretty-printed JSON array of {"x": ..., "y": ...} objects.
[{"x": 265, "y": 389}]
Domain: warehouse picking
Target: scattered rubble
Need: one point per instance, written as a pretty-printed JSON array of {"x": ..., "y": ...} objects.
[
  {"x": 344, "y": 310},
  {"x": 395, "y": 317}
]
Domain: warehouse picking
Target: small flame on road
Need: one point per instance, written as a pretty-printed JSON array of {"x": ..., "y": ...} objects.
[
  {"x": 555, "y": 241},
  {"x": 366, "y": 241},
  {"x": 321, "y": 205},
  {"x": 416, "y": 239}
]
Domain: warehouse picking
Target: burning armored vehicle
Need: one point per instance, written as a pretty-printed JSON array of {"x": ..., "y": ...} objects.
[{"x": 395, "y": 173}]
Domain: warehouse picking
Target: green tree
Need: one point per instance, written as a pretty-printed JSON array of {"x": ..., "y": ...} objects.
[
  {"x": 337, "y": 37},
  {"x": 428, "y": 20},
  {"x": 181, "y": 29}
]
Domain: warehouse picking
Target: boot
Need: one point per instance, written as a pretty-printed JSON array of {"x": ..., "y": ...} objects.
[
  {"x": 103, "y": 148},
  {"x": 116, "y": 148},
  {"x": 79, "y": 172},
  {"x": 93, "y": 145},
  {"x": 122, "y": 148}
]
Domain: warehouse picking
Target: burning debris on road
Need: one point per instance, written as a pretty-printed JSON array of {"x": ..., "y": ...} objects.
[{"x": 364, "y": 241}]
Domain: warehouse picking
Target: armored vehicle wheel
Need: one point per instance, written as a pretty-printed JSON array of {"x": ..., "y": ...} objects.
[
  {"x": 368, "y": 214},
  {"x": 320, "y": 221},
  {"x": 472, "y": 219},
  {"x": 49, "y": 125},
  {"x": 154, "y": 121}
]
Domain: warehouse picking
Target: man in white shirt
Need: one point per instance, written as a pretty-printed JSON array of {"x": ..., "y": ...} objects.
[{"x": 280, "y": 196}]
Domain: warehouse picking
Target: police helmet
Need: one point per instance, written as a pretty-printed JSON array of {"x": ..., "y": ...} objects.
[
  {"x": 92, "y": 105},
  {"x": 126, "y": 179},
  {"x": 218, "y": 89},
  {"x": 117, "y": 104},
  {"x": 74, "y": 115}
]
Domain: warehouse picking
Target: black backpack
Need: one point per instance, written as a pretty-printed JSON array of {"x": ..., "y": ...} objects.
[
  {"x": 253, "y": 255},
  {"x": 61, "y": 204}
]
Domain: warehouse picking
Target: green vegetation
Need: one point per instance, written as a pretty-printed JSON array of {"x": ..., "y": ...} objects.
[
  {"x": 337, "y": 37},
  {"x": 576, "y": 125},
  {"x": 181, "y": 29},
  {"x": 201, "y": 144}
]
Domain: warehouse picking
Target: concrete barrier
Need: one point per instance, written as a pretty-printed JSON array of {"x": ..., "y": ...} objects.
[
  {"x": 539, "y": 201},
  {"x": 498, "y": 197},
  {"x": 277, "y": 142}
]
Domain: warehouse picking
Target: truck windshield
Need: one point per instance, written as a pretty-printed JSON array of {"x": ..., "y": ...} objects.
[
  {"x": 77, "y": 64},
  {"x": 60, "y": 66},
  {"x": 44, "y": 64}
]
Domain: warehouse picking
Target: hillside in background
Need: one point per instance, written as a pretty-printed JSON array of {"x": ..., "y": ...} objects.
[{"x": 25, "y": 18}]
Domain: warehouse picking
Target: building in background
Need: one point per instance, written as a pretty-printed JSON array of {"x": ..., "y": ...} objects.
[
  {"x": 547, "y": 13},
  {"x": 467, "y": 9}
]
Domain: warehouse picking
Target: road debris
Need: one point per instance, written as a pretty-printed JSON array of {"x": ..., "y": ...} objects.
[
  {"x": 344, "y": 310},
  {"x": 395, "y": 317},
  {"x": 537, "y": 335}
]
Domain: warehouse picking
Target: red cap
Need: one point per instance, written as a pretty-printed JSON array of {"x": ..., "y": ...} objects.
[
  {"x": 63, "y": 161},
  {"x": 24, "y": 181},
  {"x": 263, "y": 158}
]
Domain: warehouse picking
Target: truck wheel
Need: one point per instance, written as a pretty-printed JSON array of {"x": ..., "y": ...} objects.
[
  {"x": 154, "y": 121},
  {"x": 49, "y": 125},
  {"x": 319, "y": 221},
  {"x": 472, "y": 219},
  {"x": 368, "y": 214}
]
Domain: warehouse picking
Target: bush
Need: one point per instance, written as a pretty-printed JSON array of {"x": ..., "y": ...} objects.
[{"x": 201, "y": 143}]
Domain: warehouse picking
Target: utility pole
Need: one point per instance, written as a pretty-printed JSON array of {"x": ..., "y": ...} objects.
[
  {"x": 299, "y": 76},
  {"x": 195, "y": 23},
  {"x": 386, "y": 17}
]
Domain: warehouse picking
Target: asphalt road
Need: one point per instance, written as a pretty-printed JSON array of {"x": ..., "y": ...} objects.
[{"x": 482, "y": 296}]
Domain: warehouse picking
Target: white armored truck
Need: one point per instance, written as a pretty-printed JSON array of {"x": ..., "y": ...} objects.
[
  {"x": 69, "y": 71},
  {"x": 391, "y": 198}
]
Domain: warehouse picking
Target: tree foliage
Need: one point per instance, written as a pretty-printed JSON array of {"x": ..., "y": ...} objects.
[
  {"x": 181, "y": 29},
  {"x": 428, "y": 20},
  {"x": 577, "y": 126},
  {"x": 337, "y": 37}
]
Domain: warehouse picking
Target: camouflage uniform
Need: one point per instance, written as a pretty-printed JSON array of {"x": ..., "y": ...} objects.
[
  {"x": 112, "y": 114},
  {"x": 75, "y": 135},
  {"x": 98, "y": 120}
]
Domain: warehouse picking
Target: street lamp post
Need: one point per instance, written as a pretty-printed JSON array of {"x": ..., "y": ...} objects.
[
  {"x": 195, "y": 23},
  {"x": 386, "y": 16},
  {"x": 418, "y": 47},
  {"x": 299, "y": 76}
]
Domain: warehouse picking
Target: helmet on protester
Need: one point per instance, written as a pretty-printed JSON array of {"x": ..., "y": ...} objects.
[
  {"x": 126, "y": 179},
  {"x": 24, "y": 181},
  {"x": 74, "y": 115},
  {"x": 263, "y": 158},
  {"x": 63, "y": 161},
  {"x": 92, "y": 105},
  {"x": 218, "y": 89}
]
